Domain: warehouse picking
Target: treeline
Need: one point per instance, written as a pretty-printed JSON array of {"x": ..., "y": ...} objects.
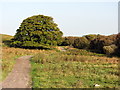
[{"x": 109, "y": 45}]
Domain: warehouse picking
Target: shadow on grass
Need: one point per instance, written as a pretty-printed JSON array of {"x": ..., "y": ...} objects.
[{"x": 8, "y": 43}]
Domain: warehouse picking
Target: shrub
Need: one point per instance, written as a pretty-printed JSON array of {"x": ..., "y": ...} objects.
[
  {"x": 81, "y": 43},
  {"x": 68, "y": 41},
  {"x": 90, "y": 37},
  {"x": 101, "y": 41},
  {"x": 109, "y": 50},
  {"x": 118, "y": 44},
  {"x": 118, "y": 40}
]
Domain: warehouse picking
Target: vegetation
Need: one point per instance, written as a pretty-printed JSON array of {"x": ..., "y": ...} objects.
[
  {"x": 82, "y": 52},
  {"x": 78, "y": 62},
  {"x": 108, "y": 45},
  {"x": 60, "y": 70},
  {"x": 118, "y": 40},
  {"x": 118, "y": 44},
  {"x": 9, "y": 56},
  {"x": 68, "y": 41},
  {"x": 5, "y": 39},
  {"x": 101, "y": 41},
  {"x": 91, "y": 37},
  {"x": 37, "y": 32},
  {"x": 81, "y": 43},
  {"x": 110, "y": 50}
]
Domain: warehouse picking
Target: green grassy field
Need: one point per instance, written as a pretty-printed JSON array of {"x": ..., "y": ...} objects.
[
  {"x": 10, "y": 54},
  {"x": 73, "y": 68},
  {"x": 63, "y": 70}
]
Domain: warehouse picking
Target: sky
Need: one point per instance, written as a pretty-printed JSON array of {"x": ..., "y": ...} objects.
[{"x": 74, "y": 18}]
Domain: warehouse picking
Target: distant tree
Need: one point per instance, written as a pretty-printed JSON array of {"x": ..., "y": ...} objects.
[
  {"x": 81, "y": 43},
  {"x": 91, "y": 37},
  {"x": 68, "y": 41},
  {"x": 65, "y": 42},
  {"x": 101, "y": 41},
  {"x": 37, "y": 32}
]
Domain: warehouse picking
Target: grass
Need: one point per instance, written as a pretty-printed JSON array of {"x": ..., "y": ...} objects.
[
  {"x": 9, "y": 56},
  {"x": 73, "y": 68},
  {"x": 6, "y": 37},
  {"x": 60, "y": 70},
  {"x": 75, "y": 51}
]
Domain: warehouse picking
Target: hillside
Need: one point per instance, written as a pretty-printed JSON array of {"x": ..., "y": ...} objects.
[{"x": 5, "y": 37}]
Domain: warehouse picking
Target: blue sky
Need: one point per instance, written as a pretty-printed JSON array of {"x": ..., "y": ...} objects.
[{"x": 73, "y": 18}]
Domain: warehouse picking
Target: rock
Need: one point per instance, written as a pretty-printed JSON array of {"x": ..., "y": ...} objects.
[{"x": 96, "y": 85}]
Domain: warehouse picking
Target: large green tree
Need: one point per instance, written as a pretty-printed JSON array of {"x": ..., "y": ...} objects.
[{"x": 37, "y": 32}]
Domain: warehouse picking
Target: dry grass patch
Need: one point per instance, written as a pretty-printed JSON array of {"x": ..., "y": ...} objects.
[{"x": 9, "y": 56}]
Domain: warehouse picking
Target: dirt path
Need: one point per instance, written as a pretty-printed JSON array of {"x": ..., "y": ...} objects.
[
  {"x": 62, "y": 49},
  {"x": 19, "y": 77}
]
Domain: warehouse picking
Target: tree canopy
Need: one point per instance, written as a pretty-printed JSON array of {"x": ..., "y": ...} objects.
[{"x": 37, "y": 32}]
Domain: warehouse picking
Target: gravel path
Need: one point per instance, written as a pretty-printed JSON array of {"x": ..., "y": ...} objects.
[{"x": 19, "y": 77}]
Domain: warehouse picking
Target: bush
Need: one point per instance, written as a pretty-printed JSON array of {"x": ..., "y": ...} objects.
[
  {"x": 118, "y": 44},
  {"x": 81, "y": 43},
  {"x": 101, "y": 41},
  {"x": 118, "y": 40},
  {"x": 68, "y": 41},
  {"x": 110, "y": 50},
  {"x": 90, "y": 37}
]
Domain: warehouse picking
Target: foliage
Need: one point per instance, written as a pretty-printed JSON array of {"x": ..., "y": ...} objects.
[
  {"x": 101, "y": 41},
  {"x": 68, "y": 41},
  {"x": 118, "y": 44},
  {"x": 91, "y": 37},
  {"x": 118, "y": 40},
  {"x": 81, "y": 43},
  {"x": 110, "y": 50},
  {"x": 37, "y": 32},
  {"x": 96, "y": 43}
]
